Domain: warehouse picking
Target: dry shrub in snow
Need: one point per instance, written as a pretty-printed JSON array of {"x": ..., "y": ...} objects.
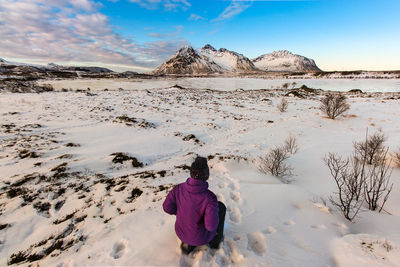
[
  {"x": 349, "y": 182},
  {"x": 397, "y": 158},
  {"x": 290, "y": 145},
  {"x": 274, "y": 163},
  {"x": 358, "y": 181},
  {"x": 282, "y": 105},
  {"x": 377, "y": 185},
  {"x": 334, "y": 105},
  {"x": 372, "y": 148}
]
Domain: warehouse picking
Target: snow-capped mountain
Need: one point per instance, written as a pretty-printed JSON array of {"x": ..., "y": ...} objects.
[
  {"x": 208, "y": 60},
  {"x": 226, "y": 59},
  {"x": 284, "y": 61},
  {"x": 187, "y": 61}
]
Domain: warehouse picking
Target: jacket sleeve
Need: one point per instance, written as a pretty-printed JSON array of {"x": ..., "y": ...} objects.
[
  {"x": 211, "y": 217},
  {"x": 169, "y": 204}
]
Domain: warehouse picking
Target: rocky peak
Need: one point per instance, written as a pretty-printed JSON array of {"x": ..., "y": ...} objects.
[
  {"x": 209, "y": 47},
  {"x": 186, "y": 51}
]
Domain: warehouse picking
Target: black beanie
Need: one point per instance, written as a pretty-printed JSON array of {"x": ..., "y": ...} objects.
[{"x": 199, "y": 169}]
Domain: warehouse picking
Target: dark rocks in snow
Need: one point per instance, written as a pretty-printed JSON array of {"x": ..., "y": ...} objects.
[
  {"x": 191, "y": 137},
  {"x": 358, "y": 91},
  {"x": 42, "y": 207},
  {"x": 131, "y": 121},
  {"x": 3, "y": 226},
  {"x": 183, "y": 167},
  {"x": 295, "y": 93},
  {"x": 27, "y": 154},
  {"x": 70, "y": 144},
  {"x": 135, "y": 193},
  {"x": 18, "y": 86},
  {"x": 120, "y": 157}
]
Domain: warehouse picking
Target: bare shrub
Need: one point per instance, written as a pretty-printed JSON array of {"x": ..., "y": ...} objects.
[
  {"x": 274, "y": 163},
  {"x": 291, "y": 145},
  {"x": 349, "y": 182},
  {"x": 377, "y": 185},
  {"x": 372, "y": 148},
  {"x": 334, "y": 105},
  {"x": 283, "y": 105},
  {"x": 397, "y": 158},
  {"x": 358, "y": 181}
]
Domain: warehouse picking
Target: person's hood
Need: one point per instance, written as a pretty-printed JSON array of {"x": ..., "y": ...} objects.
[{"x": 195, "y": 186}]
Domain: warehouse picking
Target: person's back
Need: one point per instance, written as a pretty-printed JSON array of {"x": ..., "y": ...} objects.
[{"x": 199, "y": 216}]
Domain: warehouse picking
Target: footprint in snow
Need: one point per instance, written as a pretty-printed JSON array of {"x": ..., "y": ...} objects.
[
  {"x": 289, "y": 223},
  {"x": 234, "y": 186},
  {"x": 233, "y": 252},
  {"x": 319, "y": 226},
  {"x": 256, "y": 243},
  {"x": 118, "y": 250},
  {"x": 222, "y": 185},
  {"x": 269, "y": 230},
  {"x": 235, "y": 196},
  {"x": 235, "y": 215}
]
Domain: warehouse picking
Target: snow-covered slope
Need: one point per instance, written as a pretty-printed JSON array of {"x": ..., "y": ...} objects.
[
  {"x": 187, "y": 61},
  {"x": 285, "y": 61},
  {"x": 226, "y": 59}
]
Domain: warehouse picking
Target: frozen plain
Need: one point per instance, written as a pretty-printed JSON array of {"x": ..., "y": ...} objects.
[{"x": 76, "y": 207}]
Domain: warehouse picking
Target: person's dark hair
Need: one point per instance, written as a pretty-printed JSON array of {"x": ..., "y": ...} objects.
[{"x": 199, "y": 169}]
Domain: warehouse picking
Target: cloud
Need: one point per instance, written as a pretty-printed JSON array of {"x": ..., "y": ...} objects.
[
  {"x": 167, "y": 4},
  {"x": 195, "y": 17},
  {"x": 174, "y": 34},
  {"x": 72, "y": 31},
  {"x": 235, "y": 7}
]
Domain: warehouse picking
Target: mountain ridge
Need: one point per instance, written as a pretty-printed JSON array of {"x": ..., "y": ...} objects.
[{"x": 208, "y": 60}]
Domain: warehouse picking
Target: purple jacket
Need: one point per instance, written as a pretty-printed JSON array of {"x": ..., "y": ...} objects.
[{"x": 196, "y": 210}]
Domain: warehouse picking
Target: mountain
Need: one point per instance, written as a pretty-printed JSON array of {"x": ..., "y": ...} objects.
[
  {"x": 53, "y": 66},
  {"x": 285, "y": 61},
  {"x": 208, "y": 60},
  {"x": 187, "y": 61},
  {"x": 228, "y": 60}
]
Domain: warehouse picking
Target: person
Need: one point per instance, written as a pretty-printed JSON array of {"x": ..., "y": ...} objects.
[{"x": 199, "y": 215}]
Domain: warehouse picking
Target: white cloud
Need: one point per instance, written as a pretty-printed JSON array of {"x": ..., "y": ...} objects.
[
  {"x": 72, "y": 31},
  {"x": 174, "y": 34},
  {"x": 167, "y": 4},
  {"x": 196, "y": 17},
  {"x": 235, "y": 7}
]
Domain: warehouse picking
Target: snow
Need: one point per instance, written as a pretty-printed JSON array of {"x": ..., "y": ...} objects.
[
  {"x": 268, "y": 223},
  {"x": 228, "y": 84},
  {"x": 227, "y": 60}
]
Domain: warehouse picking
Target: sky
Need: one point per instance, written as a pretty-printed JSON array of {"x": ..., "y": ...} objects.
[{"x": 138, "y": 35}]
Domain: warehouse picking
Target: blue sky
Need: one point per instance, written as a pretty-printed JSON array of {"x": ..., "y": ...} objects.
[{"x": 140, "y": 34}]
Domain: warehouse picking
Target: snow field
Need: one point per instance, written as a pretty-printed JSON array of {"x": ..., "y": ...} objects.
[{"x": 111, "y": 213}]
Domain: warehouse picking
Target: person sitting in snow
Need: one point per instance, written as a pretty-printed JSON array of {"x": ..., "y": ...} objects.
[{"x": 199, "y": 215}]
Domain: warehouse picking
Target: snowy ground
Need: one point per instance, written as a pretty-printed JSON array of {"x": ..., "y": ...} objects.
[
  {"x": 63, "y": 202},
  {"x": 229, "y": 84}
]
